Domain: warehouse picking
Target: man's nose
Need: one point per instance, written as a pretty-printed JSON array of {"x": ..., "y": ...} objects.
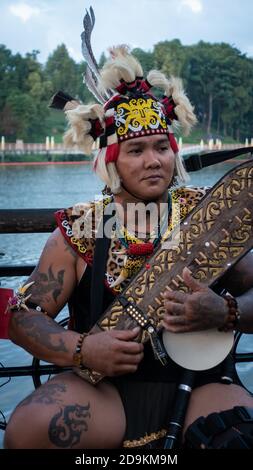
[{"x": 151, "y": 159}]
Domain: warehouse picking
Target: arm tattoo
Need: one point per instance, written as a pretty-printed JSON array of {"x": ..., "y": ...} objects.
[
  {"x": 42, "y": 329},
  {"x": 66, "y": 427},
  {"x": 46, "y": 395},
  {"x": 46, "y": 285},
  {"x": 69, "y": 248}
]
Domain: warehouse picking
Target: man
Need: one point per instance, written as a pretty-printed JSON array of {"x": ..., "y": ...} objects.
[{"x": 138, "y": 160}]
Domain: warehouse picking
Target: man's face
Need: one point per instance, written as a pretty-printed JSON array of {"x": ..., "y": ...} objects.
[{"x": 146, "y": 166}]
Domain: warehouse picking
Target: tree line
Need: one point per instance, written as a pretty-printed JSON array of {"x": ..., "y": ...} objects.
[{"x": 218, "y": 79}]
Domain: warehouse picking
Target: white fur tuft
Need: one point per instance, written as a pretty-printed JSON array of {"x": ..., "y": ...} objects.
[
  {"x": 121, "y": 65},
  {"x": 174, "y": 87},
  {"x": 107, "y": 173},
  {"x": 184, "y": 109},
  {"x": 78, "y": 133}
]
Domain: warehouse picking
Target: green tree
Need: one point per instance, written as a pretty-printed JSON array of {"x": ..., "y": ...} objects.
[
  {"x": 23, "y": 92},
  {"x": 23, "y": 110},
  {"x": 170, "y": 56},
  {"x": 145, "y": 58},
  {"x": 62, "y": 72}
]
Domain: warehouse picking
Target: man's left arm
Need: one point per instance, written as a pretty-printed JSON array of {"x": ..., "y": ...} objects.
[{"x": 201, "y": 308}]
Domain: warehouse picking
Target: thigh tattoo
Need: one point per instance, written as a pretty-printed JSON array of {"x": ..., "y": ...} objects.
[
  {"x": 66, "y": 427},
  {"x": 46, "y": 395}
]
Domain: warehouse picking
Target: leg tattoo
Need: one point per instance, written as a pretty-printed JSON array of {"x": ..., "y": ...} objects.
[
  {"x": 46, "y": 395},
  {"x": 66, "y": 427}
]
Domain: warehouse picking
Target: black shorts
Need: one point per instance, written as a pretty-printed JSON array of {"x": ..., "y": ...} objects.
[{"x": 148, "y": 397}]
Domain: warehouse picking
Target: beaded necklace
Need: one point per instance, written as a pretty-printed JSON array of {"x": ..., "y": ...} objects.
[{"x": 135, "y": 250}]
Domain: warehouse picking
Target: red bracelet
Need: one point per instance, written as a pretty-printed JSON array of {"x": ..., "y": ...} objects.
[{"x": 233, "y": 315}]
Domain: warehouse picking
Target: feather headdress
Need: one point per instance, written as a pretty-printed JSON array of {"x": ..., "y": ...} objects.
[{"x": 127, "y": 108}]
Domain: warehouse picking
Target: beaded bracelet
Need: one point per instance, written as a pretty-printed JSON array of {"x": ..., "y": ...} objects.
[
  {"x": 233, "y": 315},
  {"x": 77, "y": 356},
  {"x": 90, "y": 375}
]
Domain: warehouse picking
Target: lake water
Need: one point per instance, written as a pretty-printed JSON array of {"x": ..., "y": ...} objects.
[{"x": 57, "y": 186}]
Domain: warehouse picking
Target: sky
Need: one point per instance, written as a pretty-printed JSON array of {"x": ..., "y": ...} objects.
[{"x": 42, "y": 25}]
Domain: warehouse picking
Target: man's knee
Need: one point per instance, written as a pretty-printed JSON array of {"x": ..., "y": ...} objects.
[
  {"x": 25, "y": 431},
  {"x": 229, "y": 429},
  {"x": 16, "y": 435}
]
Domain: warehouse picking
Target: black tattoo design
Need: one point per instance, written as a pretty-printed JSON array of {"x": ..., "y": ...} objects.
[
  {"x": 46, "y": 285},
  {"x": 46, "y": 395},
  {"x": 66, "y": 427},
  {"x": 42, "y": 329}
]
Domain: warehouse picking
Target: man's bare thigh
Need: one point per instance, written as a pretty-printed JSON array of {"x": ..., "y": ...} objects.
[{"x": 68, "y": 412}]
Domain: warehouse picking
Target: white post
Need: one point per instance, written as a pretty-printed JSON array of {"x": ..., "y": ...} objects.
[
  {"x": 251, "y": 142},
  {"x": 52, "y": 143},
  {"x": 246, "y": 142},
  {"x": 202, "y": 144},
  {"x": 210, "y": 144},
  {"x": 2, "y": 143},
  {"x": 47, "y": 143}
]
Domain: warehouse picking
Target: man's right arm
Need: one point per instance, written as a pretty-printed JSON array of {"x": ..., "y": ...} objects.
[
  {"x": 110, "y": 353},
  {"x": 54, "y": 280}
]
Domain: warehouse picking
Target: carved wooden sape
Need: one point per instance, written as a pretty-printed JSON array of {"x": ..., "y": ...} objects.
[{"x": 212, "y": 238}]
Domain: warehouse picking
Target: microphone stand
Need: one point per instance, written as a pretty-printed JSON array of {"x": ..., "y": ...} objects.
[{"x": 179, "y": 409}]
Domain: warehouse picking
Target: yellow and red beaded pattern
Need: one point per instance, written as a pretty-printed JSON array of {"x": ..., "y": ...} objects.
[{"x": 187, "y": 197}]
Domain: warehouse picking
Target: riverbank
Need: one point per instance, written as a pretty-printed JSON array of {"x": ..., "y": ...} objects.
[{"x": 83, "y": 162}]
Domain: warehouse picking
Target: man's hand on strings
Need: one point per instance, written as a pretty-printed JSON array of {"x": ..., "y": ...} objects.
[
  {"x": 200, "y": 309},
  {"x": 113, "y": 352}
]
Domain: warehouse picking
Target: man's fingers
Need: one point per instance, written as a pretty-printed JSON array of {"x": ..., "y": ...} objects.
[
  {"x": 126, "y": 369},
  {"x": 180, "y": 297},
  {"x": 126, "y": 335},
  {"x": 131, "y": 358},
  {"x": 174, "y": 320},
  {"x": 192, "y": 283},
  {"x": 174, "y": 308},
  {"x": 131, "y": 347}
]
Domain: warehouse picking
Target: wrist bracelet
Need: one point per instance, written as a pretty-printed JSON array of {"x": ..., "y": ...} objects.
[
  {"x": 77, "y": 356},
  {"x": 79, "y": 368},
  {"x": 233, "y": 316},
  {"x": 20, "y": 301}
]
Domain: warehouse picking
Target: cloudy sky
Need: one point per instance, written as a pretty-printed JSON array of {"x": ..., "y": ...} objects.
[{"x": 43, "y": 24}]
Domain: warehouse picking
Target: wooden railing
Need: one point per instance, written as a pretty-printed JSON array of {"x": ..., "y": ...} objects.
[{"x": 24, "y": 221}]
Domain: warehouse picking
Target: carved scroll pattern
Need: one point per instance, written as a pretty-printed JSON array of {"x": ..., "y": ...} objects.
[{"x": 212, "y": 238}]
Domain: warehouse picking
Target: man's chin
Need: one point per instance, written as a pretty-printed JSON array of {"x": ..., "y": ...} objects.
[{"x": 152, "y": 195}]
